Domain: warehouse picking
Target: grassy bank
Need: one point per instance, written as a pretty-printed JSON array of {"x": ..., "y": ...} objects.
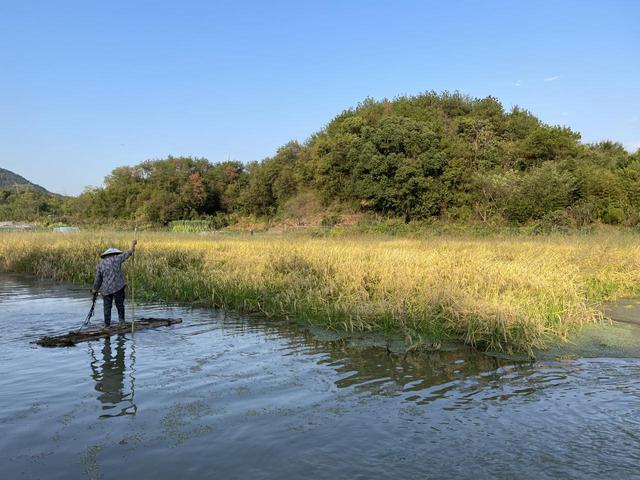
[{"x": 495, "y": 293}]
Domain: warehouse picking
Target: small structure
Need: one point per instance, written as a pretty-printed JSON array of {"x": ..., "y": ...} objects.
[
  {"x": 66, "y": 229},
  {"x": 9, "y": 226}
]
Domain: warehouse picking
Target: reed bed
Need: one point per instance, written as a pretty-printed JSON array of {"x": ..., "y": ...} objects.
[{"x": 504, "y": 294}]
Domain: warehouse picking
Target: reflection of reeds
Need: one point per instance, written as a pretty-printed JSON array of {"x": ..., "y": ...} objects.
[{"x": 499, "y": 293}]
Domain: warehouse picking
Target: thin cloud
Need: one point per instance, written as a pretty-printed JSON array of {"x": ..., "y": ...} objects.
[
  {"x": 517, "y": 83},
  {"x": 552, "y": 79}
]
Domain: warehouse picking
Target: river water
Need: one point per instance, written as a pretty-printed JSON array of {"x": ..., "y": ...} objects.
[{"x": 228, "y": 397}]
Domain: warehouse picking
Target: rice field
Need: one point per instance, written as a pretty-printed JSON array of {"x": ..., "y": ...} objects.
[{"x": 502, "y": 293}]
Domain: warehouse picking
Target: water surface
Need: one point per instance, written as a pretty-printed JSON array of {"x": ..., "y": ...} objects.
[{"x": 223, "y": 396}]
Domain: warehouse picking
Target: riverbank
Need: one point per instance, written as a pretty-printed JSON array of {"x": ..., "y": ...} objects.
[{"x": 502, "y": 293}]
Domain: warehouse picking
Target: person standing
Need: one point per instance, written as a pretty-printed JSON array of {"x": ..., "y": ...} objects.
[{"x": 110, "y": 281}]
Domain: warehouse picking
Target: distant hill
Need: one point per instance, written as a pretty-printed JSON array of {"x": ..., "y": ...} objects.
[{"x": 8, "y": 179}]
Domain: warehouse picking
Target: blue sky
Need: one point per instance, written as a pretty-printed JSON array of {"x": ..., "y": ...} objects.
[{"x": 87, "y": 86}]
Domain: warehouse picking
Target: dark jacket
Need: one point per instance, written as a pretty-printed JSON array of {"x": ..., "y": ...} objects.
[{"x": 109, "y": 276}]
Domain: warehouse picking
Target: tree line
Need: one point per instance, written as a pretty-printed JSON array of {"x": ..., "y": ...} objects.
[{"x": 434, "y": 155}]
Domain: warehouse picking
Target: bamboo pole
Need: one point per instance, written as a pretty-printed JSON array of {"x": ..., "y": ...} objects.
[{"x": 133, "y": 284}]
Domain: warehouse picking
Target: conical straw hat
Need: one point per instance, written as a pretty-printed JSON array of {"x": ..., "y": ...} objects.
[{"x": 110, "y": 251}]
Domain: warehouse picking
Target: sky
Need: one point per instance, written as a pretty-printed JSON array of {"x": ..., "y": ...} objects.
[{"x": 86, "y": 86}]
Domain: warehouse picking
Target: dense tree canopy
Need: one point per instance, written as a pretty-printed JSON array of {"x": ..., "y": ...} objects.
[{"x": 441, "y": 155}]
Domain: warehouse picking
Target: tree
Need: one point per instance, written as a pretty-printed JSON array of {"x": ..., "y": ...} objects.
[{"x": 434, "y": 154}]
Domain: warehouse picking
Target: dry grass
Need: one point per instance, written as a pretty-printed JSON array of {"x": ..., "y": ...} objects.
[{"x": 500, "y": 293}]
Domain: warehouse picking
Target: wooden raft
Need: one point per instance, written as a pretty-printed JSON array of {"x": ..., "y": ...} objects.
[{"x": 73, "y": 337}]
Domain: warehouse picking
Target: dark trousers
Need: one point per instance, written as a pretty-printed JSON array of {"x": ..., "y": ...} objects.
[{"x": 108, "y": 302}]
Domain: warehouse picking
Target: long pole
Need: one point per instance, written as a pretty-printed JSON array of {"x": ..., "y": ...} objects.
[{"x": 133, "y": 284}]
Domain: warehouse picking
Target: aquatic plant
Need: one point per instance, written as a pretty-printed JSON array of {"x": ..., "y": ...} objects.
[{"x": 496, "y": 293}]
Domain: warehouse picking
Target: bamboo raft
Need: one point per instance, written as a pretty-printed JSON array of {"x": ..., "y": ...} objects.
[{"x": 73, "y": 337}]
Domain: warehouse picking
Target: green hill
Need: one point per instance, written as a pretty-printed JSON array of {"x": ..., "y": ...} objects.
[
  {"x": 444, "y": 156},
  {"x": 9, "y": 179},
  {"x": 22, "y": 200}
]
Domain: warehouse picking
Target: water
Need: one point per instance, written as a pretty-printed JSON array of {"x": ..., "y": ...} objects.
[{"x": 231, "y": 397}]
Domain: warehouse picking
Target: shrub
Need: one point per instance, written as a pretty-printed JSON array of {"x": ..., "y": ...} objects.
[
  {"x": 558, "y": 221},
  {"x": 330, "y": 220},
  {"x": 613, "y": 215}
]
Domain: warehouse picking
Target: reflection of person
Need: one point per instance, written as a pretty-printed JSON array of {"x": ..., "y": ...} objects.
[
  {"x": 110, "y": 281},
  {"x": 109, "y": 377}
]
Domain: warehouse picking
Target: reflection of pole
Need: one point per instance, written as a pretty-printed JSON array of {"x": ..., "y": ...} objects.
[
  {"x": 94, "y": 361},
  {"x": 132, "y": 372}
]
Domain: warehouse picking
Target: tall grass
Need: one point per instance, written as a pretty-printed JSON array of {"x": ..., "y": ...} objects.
[{"x": 494, "y": 293}]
